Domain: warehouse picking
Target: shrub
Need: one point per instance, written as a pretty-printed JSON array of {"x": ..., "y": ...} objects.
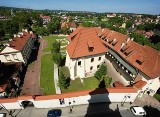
[
  {"x": 63, "y": 84},
  {"x": 100, "y": 72},
  {"x": 157, "y": 96}
]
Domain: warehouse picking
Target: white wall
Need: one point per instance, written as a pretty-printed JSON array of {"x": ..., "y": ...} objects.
[
  {"x": 9, "y": 49},
  {"x": 112, "y": 97},
  {"x": 152, "y": 84},
  {"x": 10, "y": 55},
  {"x": 84, "y": 68},
  {"x": 96, "y": 62},
  {"x": 55, "y": 103},
  {"x": 12, "y": 105}
]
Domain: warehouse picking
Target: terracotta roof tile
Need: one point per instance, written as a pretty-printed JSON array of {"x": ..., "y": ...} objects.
[
  {"x": 73, "y": 25},
  {"x": 8, "y": 100},
  {"x": 78, "y": 46},
  {"x": 19, "y": 42},
  {"x": 149, "y": 57},
  {"x": 140, "y": 84}
]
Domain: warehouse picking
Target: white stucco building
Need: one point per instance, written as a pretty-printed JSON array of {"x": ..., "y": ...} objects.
[
  {"x": 84, "y": 52},
  {"x": 89, "y": 47},
  {"x": 18, "y": 49}
]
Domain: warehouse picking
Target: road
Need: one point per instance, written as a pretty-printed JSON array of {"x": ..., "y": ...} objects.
[{"x": 91, "y": 110}]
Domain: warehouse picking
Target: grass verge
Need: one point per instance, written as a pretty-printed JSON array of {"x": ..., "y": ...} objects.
[{"x": 47, "y": 72}]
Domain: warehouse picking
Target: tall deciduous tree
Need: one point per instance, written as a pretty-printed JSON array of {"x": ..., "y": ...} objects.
[{"x": 57, "y": 57}]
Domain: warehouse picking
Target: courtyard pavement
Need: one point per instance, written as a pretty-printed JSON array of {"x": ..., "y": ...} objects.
[{"x": 31, "y": 84}]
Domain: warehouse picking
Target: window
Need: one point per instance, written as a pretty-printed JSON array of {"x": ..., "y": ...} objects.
[
  {"x": 92, "y": 59},
  {"x": 98, "y": 66},
  {"x": 99, "y": 58},
  {"x": 7, "y": 57},
  {"x": 90, "y": 49},
  {"x": 140, "y": 63},
  {"x": 91, "y": 67},
  {"x": 15, "y": 57},
  {"x": 79, "y": 63}
]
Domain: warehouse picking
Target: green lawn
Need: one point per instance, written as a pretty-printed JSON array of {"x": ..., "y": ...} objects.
[
  {"x": 76, "y": 85},
  {"x": 50, "y": 41},
  {"x": 47, "y": 81}
]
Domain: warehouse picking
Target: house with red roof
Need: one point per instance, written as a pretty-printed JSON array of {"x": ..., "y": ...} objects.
[
  {"x": 89, "y": 47},
  {"x": 46, "y": 19},
  {"x": 73, "y": 26},
  {"x": 19, "y": 48},
  {"x": 13, "y": 57}
]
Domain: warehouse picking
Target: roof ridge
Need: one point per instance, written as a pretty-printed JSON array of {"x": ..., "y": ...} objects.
[{"x": 76, "y": 42}]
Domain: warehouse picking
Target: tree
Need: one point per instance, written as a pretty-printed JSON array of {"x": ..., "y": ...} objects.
[
  {"x": 128, "y": 24},
  {"x": 56, "y": 46},
  {"x": 100, "y": 72},
  {"x": 62, "y": 82},
  {"x": 107, "y": 80},
  {"x": 64, "y": 30},
  {"x": 141, "y": 27},
  {"x": 57, "y": 57},
  {"x": 2, "y": 33}
]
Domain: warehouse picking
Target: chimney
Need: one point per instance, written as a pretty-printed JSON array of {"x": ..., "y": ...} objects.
[
  {"x": 15, "y": 35},
  {"x": 128, "y": 39},
  {"x": 122, "y": 45},
  {"x": 132, "y": 39},
  {"x": 19, "y": 35}
]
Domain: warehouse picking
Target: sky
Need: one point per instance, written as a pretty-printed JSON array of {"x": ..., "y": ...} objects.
[{"x": 116, "y": 6}]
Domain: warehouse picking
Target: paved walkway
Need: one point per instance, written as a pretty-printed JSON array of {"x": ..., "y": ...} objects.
[
  {"x": 76, "y": 110},
  {"x": 31, "y": 84},
  {"x": 57, "y": 88},
  {"x": 111, "y": 71},
  {"x": 147, "y": 100}
]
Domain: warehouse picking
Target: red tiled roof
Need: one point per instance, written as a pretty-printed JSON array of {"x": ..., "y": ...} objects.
[
  {"x": 64, "y": 24},
  {"x": 3, "y": 87},
  {"x": 19, "y": 42},
  {"x": 140, "y": 84},
  {"x": 78, "y": 46},
  {"x": 45, "y": 17},
  {"x": 8, "y": 100},
  {"x": 73, "y": 25},
  {"x": 149, "y": 57},
  {"x": 25, "y": 97}
]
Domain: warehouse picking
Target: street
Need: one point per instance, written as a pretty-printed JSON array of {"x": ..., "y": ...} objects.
[{"x": 93, "y": 110}]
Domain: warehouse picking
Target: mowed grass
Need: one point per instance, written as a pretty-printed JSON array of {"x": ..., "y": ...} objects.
[
  {"x": 50, "y": 40},
  {"x": 76, "y": 85},
  {"x": 47, "y": 72}
]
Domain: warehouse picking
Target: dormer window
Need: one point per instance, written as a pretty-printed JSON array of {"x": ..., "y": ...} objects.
[
  {"x": 90, "y": 46},
  {"x": 7, "y": 57},
  {"x": 90, "y": 49},
  {"x": 114, "y": 42}
]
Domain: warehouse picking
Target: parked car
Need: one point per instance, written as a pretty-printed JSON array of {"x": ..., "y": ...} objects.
[
  {"x": 2, "y": 114},
  {"x": 54, "y": 113},
  {"x": 137, "y": 110}
]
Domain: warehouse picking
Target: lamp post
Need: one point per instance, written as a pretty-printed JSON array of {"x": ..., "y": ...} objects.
[{"x": 9, "y": 112}]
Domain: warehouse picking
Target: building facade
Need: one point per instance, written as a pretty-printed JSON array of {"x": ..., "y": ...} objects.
[{"x": 88, "y": 47}]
